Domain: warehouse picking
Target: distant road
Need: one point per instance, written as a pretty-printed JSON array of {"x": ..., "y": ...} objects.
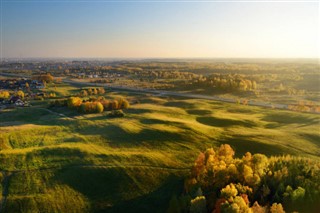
[{"x": 165, "y": 93}]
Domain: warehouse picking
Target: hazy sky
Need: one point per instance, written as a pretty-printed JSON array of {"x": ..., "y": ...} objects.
[{"x": 159, "y": 29}]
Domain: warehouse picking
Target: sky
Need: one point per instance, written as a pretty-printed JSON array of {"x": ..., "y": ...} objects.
[{"x": 159, "y": 29}]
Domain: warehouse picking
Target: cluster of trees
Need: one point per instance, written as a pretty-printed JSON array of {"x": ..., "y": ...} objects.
[
  {"x": 254, "y": 183},
  {"x": 227, "y": 82},
  {"x": 4, "y": 94},
  {"x": 92, "y": 105},
  {"x": 305, "y": 106},
  {"x": 43, "y": 77},
  {"x": 286, "y": 90},
  {"x": 91, "y": 91}
]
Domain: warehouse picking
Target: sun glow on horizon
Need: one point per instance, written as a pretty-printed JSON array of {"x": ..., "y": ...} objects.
[{"x": 155, "y": 29}]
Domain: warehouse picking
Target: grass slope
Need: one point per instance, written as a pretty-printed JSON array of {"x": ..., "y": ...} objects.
[{"x": 94, "y": 163}]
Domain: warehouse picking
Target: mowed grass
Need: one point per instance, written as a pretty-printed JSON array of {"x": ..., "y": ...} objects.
[{"x": 138, "y": 162}]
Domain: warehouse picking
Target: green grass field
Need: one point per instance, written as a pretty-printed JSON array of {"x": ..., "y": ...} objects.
[{"x": 92, "y": 163}]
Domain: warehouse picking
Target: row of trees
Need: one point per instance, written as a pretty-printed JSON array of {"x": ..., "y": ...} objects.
[
  {"x": 43, "y": 77},
  {"x": 92, "y": 105},
  {"x": 4, "y": 94},
  {"x": 221, "y": 183},
  {"x": 305, "y": 106},
  {"x": 227, "y": 82},
  {"x": 91, "y": 91}
]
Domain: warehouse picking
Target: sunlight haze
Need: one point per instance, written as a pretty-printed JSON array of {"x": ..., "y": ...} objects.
[{"x": 155, "y": 29}]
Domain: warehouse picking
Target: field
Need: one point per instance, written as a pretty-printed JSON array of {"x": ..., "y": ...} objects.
[{"x": 57, "y": 160}]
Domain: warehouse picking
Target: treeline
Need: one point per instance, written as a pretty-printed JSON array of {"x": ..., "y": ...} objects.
[
  {"x": 91, "y": 91},
  {"x": 91, "y": 105},
  {"x": 43, "y": 77},
  {"x": 218, "y": 182},
  {"x": 230, "y": 82},
  {"x": 305, "y": 106},
  {"x": 5, "y": 94}
]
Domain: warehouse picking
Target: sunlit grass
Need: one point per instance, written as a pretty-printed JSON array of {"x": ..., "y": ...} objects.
[{"x": 107, "y": 163}]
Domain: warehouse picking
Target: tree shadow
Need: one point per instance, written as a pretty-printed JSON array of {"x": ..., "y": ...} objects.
[
  {"x": 285, "y": 118},
  {"x": 122, "y": 189},
  {"x": 242, "y": 144},
  {"x": 180, "y": 104},
  {"x": 223, "y": 122},
  {"x": 199, "y": 112}
]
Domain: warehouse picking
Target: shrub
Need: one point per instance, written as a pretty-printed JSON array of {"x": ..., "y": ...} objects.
[
  {"x": 106, "y": 104},
  {"x": 99, "y": 107},
  {"x": 123, "y": 104},
  {"x": 116, "y": 114},
  {"x": 4, "y": 94},
  {"x": 52, "y": 95},
  {"x": 114, "y": 105},
  {"x": 83, "y": 93},
  {"x": 101, "y": 90},
  {"x": 59, "y": 103},
  {"x": 20, "y": 94},
  {"x": 74, "y": 102}
]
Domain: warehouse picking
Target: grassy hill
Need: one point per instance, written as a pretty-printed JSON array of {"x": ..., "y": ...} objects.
[{"x": 91, "y": 163}]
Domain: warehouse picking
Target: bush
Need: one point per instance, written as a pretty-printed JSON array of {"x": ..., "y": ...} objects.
[
  {"x": 74, "y": 102},
  {"x": 4, "y": 94},
  {"x": 99, "y": 107},
  {"x": 20, "y": 94},
  {"x": 83, "y": 93},
  {"x": 106, "y": 104},
  {"x": 59, "y": 103},
  {"x": 101, "y": 90},
  {"x": 123, "y": 104},
  {"x": 114, "y": 105},
  {"x": 116, "y": 114}
]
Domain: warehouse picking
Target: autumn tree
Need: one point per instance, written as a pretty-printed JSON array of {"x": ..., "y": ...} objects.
[
  {"x": 99, "y": 107},
  {"x": 20, "y": 93},
  {"x": 74, "y": 102},
  {"x": 4, "y": 94}
]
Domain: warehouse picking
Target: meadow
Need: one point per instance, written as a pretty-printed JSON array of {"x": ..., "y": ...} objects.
[{"x": 63, "y": 161}]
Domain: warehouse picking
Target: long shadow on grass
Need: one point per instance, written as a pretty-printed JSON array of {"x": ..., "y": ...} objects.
[
  {"x": 199, "y": 112},
  {"x": 313, "y": 138},
  {"x": 118, "y": 136},
  {"x": 114, "y": 190},
  {"x": 156, "y": 201},
  {"x": 158, "y": 121},
  {"x": 242, "y": 145},
  {"x": 281, "y": 119},
  {"x": 180, "y": 104},
  {"x": 223, "y": 122}
]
